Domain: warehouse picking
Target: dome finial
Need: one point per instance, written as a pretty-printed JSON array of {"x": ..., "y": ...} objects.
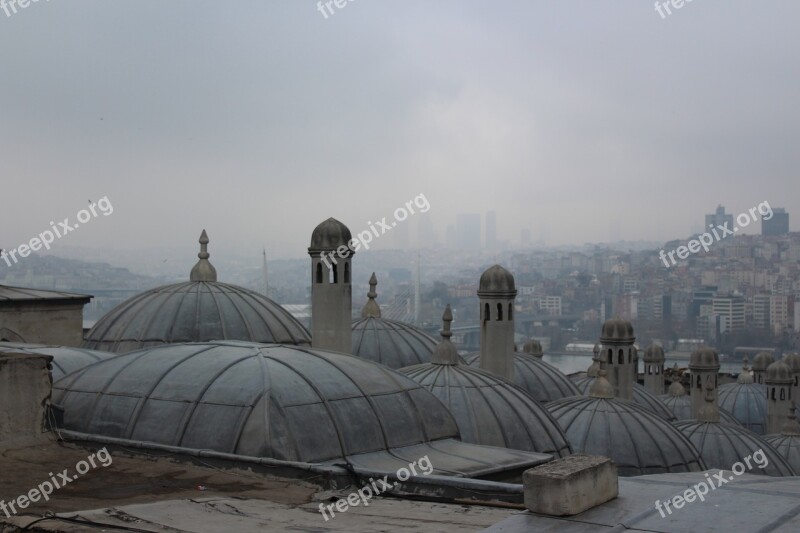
[
  {"x": 371, "y": 308},
  {"x": 595, "y": 366},
  {"x": 601, "y": 388},
  {"x": 675, "y": 388},
  {"x": 744, "y": 376},
  {"x": 445, "y": 352},
  {"x": 203, "y": 270},
  {"x": 709, "y": 412},
  {"x": 791, "y": 427}
]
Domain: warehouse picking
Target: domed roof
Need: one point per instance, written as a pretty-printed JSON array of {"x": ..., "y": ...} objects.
[
  {"x": 681, "y": 408},
  {"x": 283, "y": 402},
  {"x": 638, "y": 442},
  {"x": 641, "y": 397},
  {"x": 654, "y": 354},
  {"x": 541, "y": 380},
  {"x": 617, "y": 330},
  {"x": 722, "y": 445},
  {"x": 496, "y": 281},
  {"x": 534, "y": 348},
  {"x": 779, "y": 372},
  {"x": 66, "y": 359},
  {"x": 389, "y": 342},
  {"x": 704, "y": 358},
  {"x": 793, "y": 362},
  {"x": 747, "y": 402},
  {"x": 787, "y": 442},
  {"x": 762, "y": 361},
  {"x": 329, "y": 235},
  {"x": 195, "y": 311}
]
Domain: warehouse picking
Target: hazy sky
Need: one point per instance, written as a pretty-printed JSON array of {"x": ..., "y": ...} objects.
[{"x": 258, "y": 119}]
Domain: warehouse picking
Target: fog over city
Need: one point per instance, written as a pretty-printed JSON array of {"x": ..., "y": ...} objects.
[{"x": 577, "y": 121}]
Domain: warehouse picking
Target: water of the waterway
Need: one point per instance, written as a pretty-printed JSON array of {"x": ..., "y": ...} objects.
[{"x": 569, "y": 364}]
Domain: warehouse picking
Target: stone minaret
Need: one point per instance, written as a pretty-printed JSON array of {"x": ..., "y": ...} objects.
[
  {"x": 778, "y": 381},
  {"x": 203, "y": 270},
  {"x": 331, "y": 289},
  {"x": 760, "y": 364},
  {"x": 617, "y": 350},
  {"x": 704, "y": 367},
  {"x": 654, "y": 369},
  {"x": 792, "y": 360},
  {"x": 496, "y": 293}
]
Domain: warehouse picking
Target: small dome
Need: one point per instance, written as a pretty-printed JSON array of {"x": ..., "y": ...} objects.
[
  {"x": 329, "y": 235},
  {"x": 762, "y": 361},
  {"x": 641, "y": 396},
  {"x": 787, "y": 442},
  {"x": 747, "y": 402},
  {"x": 66, "y": 359},
  {"x": 792, "y": 360},
  {"x": 638, "y": 442},
  {"x": 779, "y": 373},
  {"x": 283, "y": 402},
  {"x": 722, "y": 445},
  {"x": 391, "y": 343},
  {"x": 617, "y": 330},
  {"x": 681, "y": 408},
  {"x": 496, "y": 281},
  {"x": 654, "y": 354},
  {"x": 533, "y": 347},
  {"x": 704, "y": 358},
  {"x": 491, "y": 411},
  {"x": 541, "y": 380}
]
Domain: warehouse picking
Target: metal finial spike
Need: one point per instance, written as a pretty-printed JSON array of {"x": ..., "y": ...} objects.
[
  {"x": 371, "y": 308},
  {"x": 203, "y": 270},
  {"x": 709, "y": 412},
  {"x": 445, "y": 352},
  {"x": 447, "y": 318}
]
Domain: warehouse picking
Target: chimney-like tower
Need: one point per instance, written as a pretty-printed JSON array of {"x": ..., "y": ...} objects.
[
  {"x": 617, "y": 350},
  {"x": 654, "y": 369},
  {"x": 331, "y": 289},
  {"x": 792, "y": 360},
  {"x": 778, "y": 381},
  {"x": 704, "y": 367},
  {"x": 760, "y": 365},
  {"x": 496, "y": 293},
  {"x": 534, "y": 348}
]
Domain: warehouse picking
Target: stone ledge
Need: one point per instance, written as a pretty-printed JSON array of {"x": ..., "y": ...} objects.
[{"x": 570, "y": 486}]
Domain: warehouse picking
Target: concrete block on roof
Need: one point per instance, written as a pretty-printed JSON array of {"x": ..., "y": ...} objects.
[{"x": 571, "y": 485}]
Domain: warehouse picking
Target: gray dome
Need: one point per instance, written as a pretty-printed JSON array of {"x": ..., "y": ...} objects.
[
  {"x": 66, "y": 359},
  {"x": 194, "y": 311},
  {"x": 617, "y": 330},
  {"x": 392, "y": 343},
  {"x": 329, "y": 235},
  {"x": 283, "y": 402},
  {"x": 779, "y": 372},
  {"x": 496, "y": 281},
  {"x": 681, "y": 408},
  {"x": 533, "y": 347},
  {"x": 762, "y": 361},
  {"x": 788, "y": 446},
  {"x": 490, "y": 410},
  {"x": 721, "y": 446},
  {"x": 793, "y": 361},
  {"x": 747, "y": 402},
  {"x": 641, "y": 397},
  {"x": 654, "y": 354},
  {"x": 704, "y": 358},
  {"x": 639, "y": 442},
  {"x": 541, "y": 380}
]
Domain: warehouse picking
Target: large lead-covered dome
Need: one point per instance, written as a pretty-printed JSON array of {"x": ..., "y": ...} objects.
[
  {"x": 746, "y": 401},
  {"x": 283, "y": 402},
  {"x": 195, "y": 311}
]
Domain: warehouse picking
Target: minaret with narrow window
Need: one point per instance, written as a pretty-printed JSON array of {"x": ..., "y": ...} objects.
[
  {"x": 778, "y": 380},
  {"x": 704, "y": 368},
  {"x": 331, "y": 289},
  {"x": 496, "y": 293},
  {"x": 654, "y": 369},
  {"x": 617, "y": 350}
]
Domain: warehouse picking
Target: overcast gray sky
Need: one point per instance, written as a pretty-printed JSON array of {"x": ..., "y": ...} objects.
[{"x": 258, "y": 119}]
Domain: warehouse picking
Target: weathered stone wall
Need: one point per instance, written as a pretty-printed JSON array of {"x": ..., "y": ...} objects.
[
  {"x": 25, "y": 387},
  {"x": 44, "y": 324}
]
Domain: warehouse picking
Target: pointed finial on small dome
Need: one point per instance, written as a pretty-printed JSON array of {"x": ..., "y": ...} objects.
[
  {"x": 445, "y": 352},
  {"x": 744, "y": 376},
  {"x": 371, "y": 308},
  {"x": 675, "y": 388},
  {"x": 709, "y": 412},
  {"x": 601, "y": 388},
  {"x": 203, "y": 270},
  {"x": 791, "y": 427},
  {"x": 595, "y": 366}
]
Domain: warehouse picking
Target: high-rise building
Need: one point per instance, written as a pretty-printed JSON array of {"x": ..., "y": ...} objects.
[
  {"x": 468, "y": 231},
  {"x": 491, "y": 230},
  {"x": 719, "y": 218},
  {"x": 732, "y": 309},
  {"x": 777, "y": 224}
]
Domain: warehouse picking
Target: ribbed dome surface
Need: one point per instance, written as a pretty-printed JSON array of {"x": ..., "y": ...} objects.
[
  {"x": 639, "y": 442},
  {"x": 788, "y": 446},
  {"x": 747, "y": 402},
  {"x": 392, "y": 343},
  {"x": 617, "y": 330},
  {"x": 284, "y": 402},
  {"x": 490, "y": 410},
  {"x": 722, "y": 445},
  {"x": 541, "y": 380},
  {"x": 66, "y": 359},
  {"x": 641, "y": 397},
  {"x": 194, "y": 311},
  {"x": 329, "y": 235},
  {"x": 681, "y": 408},
  {"x": 496, "y": 280}
]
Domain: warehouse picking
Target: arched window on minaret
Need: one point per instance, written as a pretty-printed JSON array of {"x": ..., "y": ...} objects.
[
  {"x": 319, "y": 272},
  {"x": 510, "y": 312},
  {"x": 499, "y": 311},
  {"x": 335, "y": 273},
  {"x": 347, "y": 272},
  {"x": 486, "y": 314}
]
